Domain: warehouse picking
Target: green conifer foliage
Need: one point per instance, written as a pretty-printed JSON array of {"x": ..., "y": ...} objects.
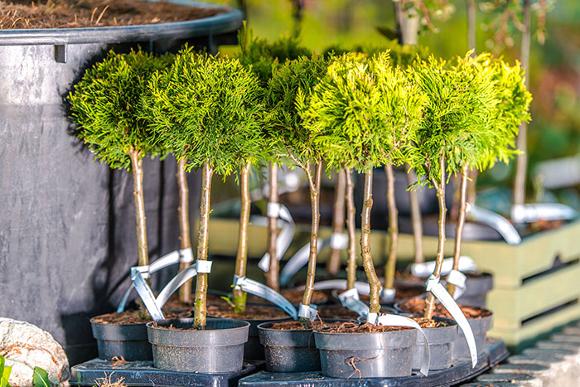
[
  {"x": 261, "y": 57},
  {"x": 362, "y": 115},
  {"x": 289, "y": 89},
  {"x": 456, "y": 128},
  {"x": 208, "y": 108},
  {"x": 106, "y": 106}
]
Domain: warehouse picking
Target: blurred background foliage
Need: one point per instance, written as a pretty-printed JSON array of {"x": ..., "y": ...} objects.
[{"x": 555, "y": 65}]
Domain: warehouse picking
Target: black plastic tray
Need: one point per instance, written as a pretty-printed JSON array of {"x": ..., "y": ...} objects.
[
  {"x": 142, "y": 373},
  {"x": 495, "y": 352}
]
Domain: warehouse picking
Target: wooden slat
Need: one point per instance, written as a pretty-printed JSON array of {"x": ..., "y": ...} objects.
[{"x": 511, "y": 306}]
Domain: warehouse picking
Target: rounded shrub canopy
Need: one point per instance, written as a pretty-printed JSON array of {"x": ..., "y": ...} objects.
[
  {"x": 288, "y": 91},
  {"x": 208, "y": 109},
  {"x": 106, "y": 104},
  {"x": 457, "y": 124},
  {"x": 363, "y": 112}
]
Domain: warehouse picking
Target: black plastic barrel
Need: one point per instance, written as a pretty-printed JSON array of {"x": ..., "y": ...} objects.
[{"x": 67, "y": 234}]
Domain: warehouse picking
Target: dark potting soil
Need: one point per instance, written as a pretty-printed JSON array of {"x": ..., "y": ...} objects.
[
  {"x": 336, "y": 312},
  {"x": 417, "y": 306},
  {"x": 426, "y": 323},
  {"x": 28, "y": 14},
  {"x": 296, "y": 325},
  {"x": 128, "y": 317},
  {"x": 253, "y": 312},
  {"x": 353, "y": 327}
]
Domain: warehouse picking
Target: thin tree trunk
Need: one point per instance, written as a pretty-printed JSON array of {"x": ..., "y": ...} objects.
[
  {"x": 398, "y": 20},
  {"x": 391, "y": 264},
  {"x": 242, "y": 254},
  {"x": 416, "y": 219},
  {"x": 472, "y": 43},
  {"x": 297, "y": 16},
  {"x": 333, "y": 264},
  {"x": 440, "y": 188},
  {"x": 139, "y": 199},
  {"x": 519, "y": 196},
  {"x": 185, "y": 292},
  {"x": 460, "y": 222},
  {"x": 272, "y": 275},
  {"x": 315, "y": 203},
  {"x": 200, "y": 309},
  {"x": 367, "y": 259},
  {"x": 351, "y": 227}
]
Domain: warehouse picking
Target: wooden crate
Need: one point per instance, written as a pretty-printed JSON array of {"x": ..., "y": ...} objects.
[{"x": 536, "y": 283}]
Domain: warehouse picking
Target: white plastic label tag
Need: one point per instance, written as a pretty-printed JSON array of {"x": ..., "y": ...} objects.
[
  {"x": 424, "y": 270},
  {"x": 186, "y": 255},
  {"x": 263, "y": 291},
  {"x": 203, "y": 266},
  {"x": 401, "y": 321},
  {"x": 350, "y": 300},
  {"x": 388, "y": 295},
  {"x": 338, "y": 241},
  {"x": 307, "y": 311},
  {"x": 434, "y": 286},
  {"x": 273, "y": 210}
]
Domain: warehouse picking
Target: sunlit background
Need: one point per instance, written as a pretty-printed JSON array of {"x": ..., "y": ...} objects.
[{"x": 555, "y": 65}]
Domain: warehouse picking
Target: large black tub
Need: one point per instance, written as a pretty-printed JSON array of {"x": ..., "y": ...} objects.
[{"x": 67, "y": 236}]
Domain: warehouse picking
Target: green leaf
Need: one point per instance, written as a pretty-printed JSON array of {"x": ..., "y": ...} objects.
[
  {"x": 4, "y": 373},
  {"x": 40, "y": 378}
]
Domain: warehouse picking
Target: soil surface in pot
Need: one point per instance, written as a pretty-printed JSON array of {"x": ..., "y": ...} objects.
[
  {"x": 426, "y": 323},
  {"x": 417, "y": 306},
  {"x": 130, "y": 317},
  {"x": 27, "y": 14},
  {"x": 296, "y": 325},
  {"x": 336, "y": 312},
  {"x": 352, "y": 327},
  {"x": 253, "y": 312}
]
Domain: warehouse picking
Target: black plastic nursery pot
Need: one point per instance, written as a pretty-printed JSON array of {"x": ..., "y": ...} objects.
[
  {"x": 289, "y": 350},
  {"x": 480, "y": 326},
  {"x": 253, "y": 349},
  {"x": 77, "y": 213},
  {"x": 366, "y": 355},
  {"x": 127, "y": 341},
  {"x": 218, "y": 348},
  {"x": 441, "y": 345},
  {"x": 477, "y": 286}
]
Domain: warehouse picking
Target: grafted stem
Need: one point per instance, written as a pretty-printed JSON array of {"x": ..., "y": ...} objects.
[
  {"x": 315, "y": 203},
  {"x": 333, "y": 264},
  {"x": 185, "y": 292},
  {"x": 242, "y": 254},
  {"x": 139, "y": 199},
  {"x": 440, "y": 189},
  {"x": 460, "y": 222},
  {"x": 367, "y": 259},
  {"x": 390, "y": 266},
  {"x": 416, "y": 219},
  {"x": 519, "y": 196},
  {"x": 273, "y": 273},
  {"x": 200, "y": 309},
  {"x": 351, "y": 228}
]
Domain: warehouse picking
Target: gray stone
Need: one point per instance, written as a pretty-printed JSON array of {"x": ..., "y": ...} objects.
[
  {"x": 25, "y": 346},
  {"x": 532, "y": 369}
]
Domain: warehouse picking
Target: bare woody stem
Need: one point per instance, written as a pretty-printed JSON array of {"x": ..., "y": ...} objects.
[
  {"x": 460, "y": 221},
  {"x": 522, "y": 159},
  {"x": 185, "y": 293},
  {"x": 367, "y": 259},
  {"x": 440, "y": 189},
  {"x": 315, "y": 203},
  {"x": 333, "y": 264},
  {"x": 393, "y": 231},
  {"x": 272, "y": 274},
  {"x": 416, "y": 219},
  {"x": 200, "y": 309},
  {"x": 242, "y": 254},
  {"x": 139, "y": 199},
  {"x": 351, "y": 228}
]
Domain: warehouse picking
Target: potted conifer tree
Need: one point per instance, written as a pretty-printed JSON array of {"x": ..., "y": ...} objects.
[
  {"x": 106, "y": 107},
  {"x": 464, "y": 124},
  {"x": 216, "y": 101},
  {"x": 357, "y": 124},
  {"x": 290, "y": 85}
]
